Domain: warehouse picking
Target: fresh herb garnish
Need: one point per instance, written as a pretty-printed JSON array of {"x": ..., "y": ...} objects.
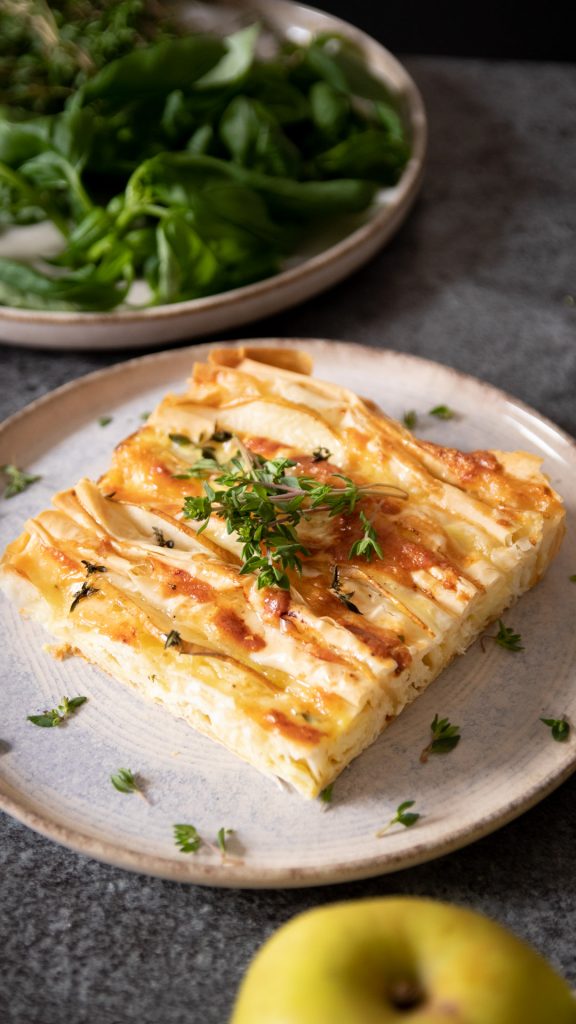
[
  {"x": 326, "y": 794},
  {"x": 161, "y": 539},
  {"x": 187, "y": 839},
  {"x": 321, "y": 454},
  {"x": 173, "y": 639},
  {"x": 91, "y": 567},
  {"x": 86, "y": 590},
  {"x": 505, "y": 637},
  {"x": 181, "y": 439},
  {"x": 410, "y": 419},
  {"x": 220, "y": 436},
  {"x": 262, "y": 503},
  {"x": 222, "y": 839},
  {"x": 368, "y": 545},
  {"x": 56, "y": 716},
  {"x": 126, "y": 782},
  {"x": 183, "y": 160},
  {"x": 402, "y": 817},
  {"x": 104, "y": 421},
  {"x": 573, "y": 578},
  {"x": 18, "y": 480},
  {"x": 145, "y": 416},
  {"x": 442, "y": 412},
  {"x": 560, "y": 728},
  {"x": 444, "y": 738},
  {"x": 343, "y": 596}
]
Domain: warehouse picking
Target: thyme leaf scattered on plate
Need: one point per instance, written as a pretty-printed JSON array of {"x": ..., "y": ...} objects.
[
  {"x": 445, "y": 737},
  {"x": 126, "y": 782},
  {"x": 18, "y": 480},
  {"x": 559, "y": 727},
  {"x": 403, "y": 817},
  {"x": 187, "y": 838},
  {"x": 327, "y": 794},
  {"x": 505, "y": 637},
  {"x": 56, "y": 716},
  {"x": 442, "y": 412},
  {"x": 222, "y": 839}
]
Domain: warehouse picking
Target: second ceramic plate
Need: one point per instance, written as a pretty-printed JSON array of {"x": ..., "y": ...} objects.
[
  {"x": 332, "y": 256},
  {"x": 58, "y": 780}
]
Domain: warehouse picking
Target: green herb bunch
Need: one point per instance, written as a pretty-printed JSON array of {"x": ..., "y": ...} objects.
[
  {"x": 184, "y": 161},
  {"x": 263, "y": 503}
]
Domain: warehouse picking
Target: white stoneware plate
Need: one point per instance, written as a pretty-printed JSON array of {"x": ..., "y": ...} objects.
[
  {"x": 330, "y": 257},
  {"x": 57, "y": 781}
]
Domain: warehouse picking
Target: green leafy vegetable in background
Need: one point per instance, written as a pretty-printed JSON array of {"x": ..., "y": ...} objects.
[{"x": 183, "y": 161}]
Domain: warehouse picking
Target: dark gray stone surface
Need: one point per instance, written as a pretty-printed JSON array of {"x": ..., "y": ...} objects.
[{"x": 482, "y": 277}]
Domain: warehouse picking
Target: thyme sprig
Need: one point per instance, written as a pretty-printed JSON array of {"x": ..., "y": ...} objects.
[
  {"x": 505, "y": 637},
  {"x": 126, "y": 782},
  {"x": 188, "y": 840},
  {"x": 403, "y": 817},
  {"x": 559, "y": 727},
  {"x": 445, "y": 737},
  {"x": 18, "y": 480},
  {"x": 263, "y": 503},
  {"x": 56, "y": 716}
]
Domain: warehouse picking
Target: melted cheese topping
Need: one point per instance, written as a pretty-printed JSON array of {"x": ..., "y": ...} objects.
[{"x": 296, "y": 683}]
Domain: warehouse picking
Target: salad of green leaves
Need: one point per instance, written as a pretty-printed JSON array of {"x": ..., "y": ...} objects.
[{"x": 185, "y": 161}]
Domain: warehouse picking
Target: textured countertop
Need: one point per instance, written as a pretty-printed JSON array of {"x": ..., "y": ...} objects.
[{"x": 482, "y": 277}]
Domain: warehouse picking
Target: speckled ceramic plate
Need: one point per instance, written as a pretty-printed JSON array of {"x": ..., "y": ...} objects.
[
  {"x": 57, "y": 780},
  {"x": 328, "y": 257}
]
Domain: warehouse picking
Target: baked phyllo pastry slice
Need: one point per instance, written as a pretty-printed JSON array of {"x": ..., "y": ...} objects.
[{"x": 276, "y": 561}]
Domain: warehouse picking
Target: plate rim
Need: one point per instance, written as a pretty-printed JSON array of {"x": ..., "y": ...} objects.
[
  {"x": 240, "y": 876},
  {"x": 384, "y": 222}
]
